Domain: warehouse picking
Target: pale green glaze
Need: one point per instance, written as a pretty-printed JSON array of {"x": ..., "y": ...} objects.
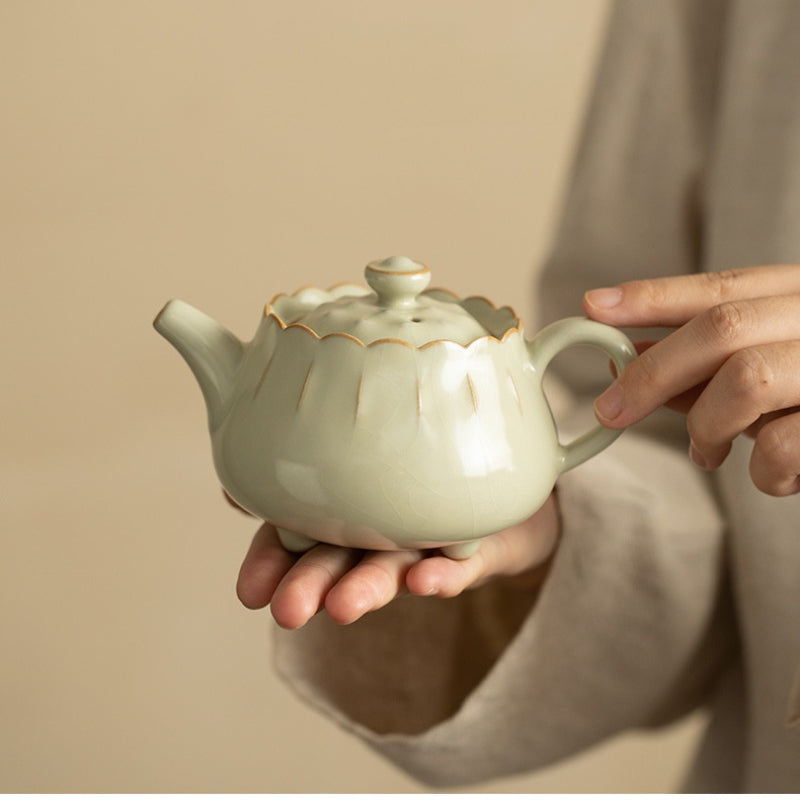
[{"x": 386, "y": 419}]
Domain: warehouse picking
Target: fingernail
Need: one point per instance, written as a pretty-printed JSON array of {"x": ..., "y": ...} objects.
[
  {"x": 604, "y": 298},
  {"x": 697, "y": 456},
  {"x": 609, "y": 405}
]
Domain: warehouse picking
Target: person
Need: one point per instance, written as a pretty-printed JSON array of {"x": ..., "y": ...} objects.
[{"x": 651, "y": 583}]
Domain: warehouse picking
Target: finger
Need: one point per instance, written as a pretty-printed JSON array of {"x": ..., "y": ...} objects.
[
  {"x": 263, "y": 568},
  {"x": 233, "y": 503},
  {"x": 518, "y": 549},
  {"x": 756, "y": 427},
  {"x": 685, "y": 401},
  {"x": 446, "y": 577},
  {"x": 640, "y": 347},
  {"x": 775, "y": 461},
  {"x": 694, "y": 353},
  {"x": 302, "y": 591},
  {"x": 375, "y": 581},
  {"x": 682, "y": 403},
  {"x": 751, "y": 383},
  {"x": 673, "y": 301}
]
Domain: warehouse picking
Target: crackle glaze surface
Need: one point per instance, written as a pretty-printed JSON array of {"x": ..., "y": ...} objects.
[{"x": 387, "y": 444}]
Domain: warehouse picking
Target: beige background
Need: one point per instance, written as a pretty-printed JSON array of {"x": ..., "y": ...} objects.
[{"x": 221, "y": 152}]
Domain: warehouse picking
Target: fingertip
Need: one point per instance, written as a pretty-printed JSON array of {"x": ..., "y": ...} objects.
[
  {"x": 421, "y": 587},
  {"x": 440, "y": 576},
  {"x": 262, "y": 569},
  {"x": 302, "y": 592},
  {"x": 601, "y": 302},
  {"x": 288, "y": 624},
  {"x": 421, "y": 579},
  {"x": 251, "y": 596},
  {"x": 377, "y": 580},
  {"x": 610, "y": 405},
  {"x": 292, "y": 608}
]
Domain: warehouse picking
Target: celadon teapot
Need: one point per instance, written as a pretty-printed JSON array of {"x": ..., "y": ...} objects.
[{"x": 388, "y": 417}]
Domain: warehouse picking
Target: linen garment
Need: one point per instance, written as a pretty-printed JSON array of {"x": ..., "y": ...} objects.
[{"x": 670, "y": 589}]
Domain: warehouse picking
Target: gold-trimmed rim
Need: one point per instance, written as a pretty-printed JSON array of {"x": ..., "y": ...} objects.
[{"x": 269, "y": 311}]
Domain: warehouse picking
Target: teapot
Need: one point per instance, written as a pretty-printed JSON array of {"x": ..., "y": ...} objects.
[{"x": 386, "y": 417}]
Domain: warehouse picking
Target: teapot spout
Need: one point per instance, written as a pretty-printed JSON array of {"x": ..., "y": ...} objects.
[{"x": 212, "y": 352}]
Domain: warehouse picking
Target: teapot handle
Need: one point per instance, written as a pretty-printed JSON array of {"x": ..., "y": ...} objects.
[{"x": 579, "y": 331}]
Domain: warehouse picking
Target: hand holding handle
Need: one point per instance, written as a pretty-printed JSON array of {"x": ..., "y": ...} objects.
[{"x": 579, "y": 331}]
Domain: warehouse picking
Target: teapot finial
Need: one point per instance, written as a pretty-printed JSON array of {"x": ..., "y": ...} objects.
[{"x": 397, "y": 280}]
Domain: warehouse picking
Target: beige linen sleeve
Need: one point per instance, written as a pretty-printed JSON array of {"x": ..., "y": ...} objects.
[
  {"x": 628, "y": 630},
  {"x": 632, "y": 623}
]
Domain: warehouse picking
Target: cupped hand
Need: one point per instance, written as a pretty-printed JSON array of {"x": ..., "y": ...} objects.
[
  {"x": 732, "y": 364},
  {"x": 347, "y": 583}
]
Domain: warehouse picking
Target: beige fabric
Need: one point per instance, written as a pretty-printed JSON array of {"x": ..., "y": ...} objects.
[{"x": 668, "y": 590}]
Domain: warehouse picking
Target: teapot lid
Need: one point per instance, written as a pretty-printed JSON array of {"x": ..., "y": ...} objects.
[{"x": 397, "y": 308}]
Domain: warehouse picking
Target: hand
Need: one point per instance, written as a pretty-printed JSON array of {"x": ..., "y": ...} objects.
[
  {"x": 348, "y": 583},
  {"x": 732, "y": 365}
]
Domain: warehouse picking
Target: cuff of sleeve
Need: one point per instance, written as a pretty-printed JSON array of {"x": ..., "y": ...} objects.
[{"x": 456, "y": 691}]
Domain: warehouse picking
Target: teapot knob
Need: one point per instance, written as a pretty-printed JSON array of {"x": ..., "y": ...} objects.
[{"x": 397, "y": 280}]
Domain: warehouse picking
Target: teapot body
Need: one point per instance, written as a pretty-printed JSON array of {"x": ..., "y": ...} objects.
[
  {"x": 402, "y": 417},
  {"x": 386, "y": 446}
]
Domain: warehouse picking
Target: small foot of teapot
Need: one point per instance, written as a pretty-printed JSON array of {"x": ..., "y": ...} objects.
[{"x": 385, "y": 417}]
